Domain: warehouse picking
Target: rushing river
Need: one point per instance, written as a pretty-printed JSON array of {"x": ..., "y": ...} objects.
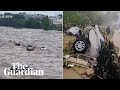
[{"x": 49, "y": 59}]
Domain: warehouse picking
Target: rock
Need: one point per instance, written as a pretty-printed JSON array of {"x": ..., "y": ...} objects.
[{"x": 89, "y": 71}]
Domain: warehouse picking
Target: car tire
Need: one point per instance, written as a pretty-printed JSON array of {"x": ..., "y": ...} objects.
[{"x": 80, "y": 46}]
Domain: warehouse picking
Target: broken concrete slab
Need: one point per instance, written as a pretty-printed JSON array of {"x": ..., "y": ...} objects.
[{"x": 78, "y": 61}]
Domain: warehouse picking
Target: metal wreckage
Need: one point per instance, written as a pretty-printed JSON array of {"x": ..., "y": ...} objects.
[{"x": 96, "y": 45}]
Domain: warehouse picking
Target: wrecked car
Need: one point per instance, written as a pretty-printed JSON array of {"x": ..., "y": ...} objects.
[{"x": 88, "y": 40}]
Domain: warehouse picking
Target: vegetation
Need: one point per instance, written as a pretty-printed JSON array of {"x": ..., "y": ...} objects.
[
  {"x": 19, "y": 21},
  {"x": 67, "y": 45},
  {"x": 81, "y": 18}
]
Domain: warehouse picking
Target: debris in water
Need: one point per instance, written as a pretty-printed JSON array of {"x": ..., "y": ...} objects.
[
  {"x": 17, "y": 44},
  {"x": 30, "y": 48},
  {"x": 42, "y": 47}
]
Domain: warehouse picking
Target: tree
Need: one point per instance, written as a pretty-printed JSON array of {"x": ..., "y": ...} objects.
[
  {"x": 73, "y": 18},
  {"x": 95, "y": 17},
  {"x": 45, "y": 23},
  {"x": 19, "y": 21}
]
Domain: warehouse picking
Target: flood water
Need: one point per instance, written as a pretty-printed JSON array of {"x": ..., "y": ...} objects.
[{"x": 49, "y": 59}]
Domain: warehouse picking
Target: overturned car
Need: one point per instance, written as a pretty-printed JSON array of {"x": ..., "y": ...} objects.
[{"x": 88, "y": 40}]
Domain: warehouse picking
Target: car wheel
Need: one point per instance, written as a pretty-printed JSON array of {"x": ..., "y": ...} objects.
[{"x": 80, "y": 46}]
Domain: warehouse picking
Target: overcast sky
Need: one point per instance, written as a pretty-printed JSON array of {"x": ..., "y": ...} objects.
[{"x": 49, "y": 13}]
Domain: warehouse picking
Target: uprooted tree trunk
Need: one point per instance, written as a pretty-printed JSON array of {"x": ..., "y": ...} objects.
[{"x": 108, "y": 65}]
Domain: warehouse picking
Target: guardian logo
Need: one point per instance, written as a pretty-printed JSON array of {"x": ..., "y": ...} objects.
[{"x": 20, "y": 69}]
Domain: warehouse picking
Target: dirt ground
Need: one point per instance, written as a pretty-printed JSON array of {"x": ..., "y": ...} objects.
[{"x": 70, "y": 73}]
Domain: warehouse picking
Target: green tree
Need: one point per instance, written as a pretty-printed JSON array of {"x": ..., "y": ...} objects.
[
  {"x": 45, "y": 23},
  {"x": 19, "y": 21},
  {"x": 95, "y": 17},
  {"x": 73, "y": 18}
]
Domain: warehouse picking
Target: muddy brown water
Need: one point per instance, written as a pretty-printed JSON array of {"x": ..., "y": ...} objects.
[{"x": 49, "y": 60}]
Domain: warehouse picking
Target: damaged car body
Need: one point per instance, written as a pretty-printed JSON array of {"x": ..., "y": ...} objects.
[{"x": 87, "y": 38}]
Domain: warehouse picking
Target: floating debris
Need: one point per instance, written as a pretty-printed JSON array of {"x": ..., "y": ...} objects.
[
  {"x": 30, "y": 48},
  {"x": 42, "y": 47},
  {"x": 17, "y": 44}
]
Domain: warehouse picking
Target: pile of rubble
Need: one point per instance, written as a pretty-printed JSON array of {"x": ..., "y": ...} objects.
[
  {"x": 78, "y": 61},
  {"x": 106, "y": 64}
]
